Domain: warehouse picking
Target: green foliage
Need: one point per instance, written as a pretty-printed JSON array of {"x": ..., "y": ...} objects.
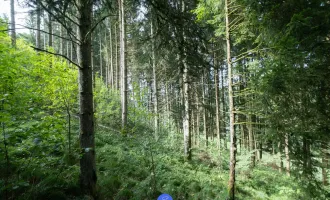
[
  {"x": 37, "y": 92},
  {"x": 135, "y": 166}
]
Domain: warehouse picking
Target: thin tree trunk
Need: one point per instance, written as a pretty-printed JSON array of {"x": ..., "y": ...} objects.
[
  {"x": 324, "y": 164},
  {"x": 101, "y": 56},
  {"x": 223, "y": 111},
  {"x": 217, "y": 110},
  {"x": 44, "y": 27},
  {"x": 62, "y": 44},
  {"x": 280, "y": 169},
  {"x": 167, "y": 103},
  {"x": 231, "y": 182},
  {"x": 117, "y": 75},
  {"x": 50, "y": 31},
  {"x": 111, "y": 57},
  {"x": 251, "y": 141},
  {"x": 186, "y": 117},
  {"x": 12, "y": 23},
  {"x": 6, "y": 154},
  {"x": 153, "y": 58},
  {"x": 287, "y": 155},
  {"x": 38, "y": 33},
  {"x": 107, "y": 82},
  {"x": 204, "y": 113},
  {"x": 87, "y": 144},
  {"x": 197, "y": 117},
  {"x": 123, "y": 64}
]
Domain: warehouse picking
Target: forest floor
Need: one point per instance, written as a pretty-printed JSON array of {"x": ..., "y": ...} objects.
[{"x": 138, "y": 167}]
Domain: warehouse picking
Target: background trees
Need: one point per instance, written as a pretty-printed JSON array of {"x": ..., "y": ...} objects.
[{"x": 191, "y": 78}]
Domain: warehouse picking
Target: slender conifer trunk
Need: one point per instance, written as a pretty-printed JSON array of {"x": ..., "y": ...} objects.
[
  {"x": 87, "y": 144},
  {"x": 231, "y": 183}
]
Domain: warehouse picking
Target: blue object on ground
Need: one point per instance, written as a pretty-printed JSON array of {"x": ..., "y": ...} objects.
[{"x": 165, "y": 197}]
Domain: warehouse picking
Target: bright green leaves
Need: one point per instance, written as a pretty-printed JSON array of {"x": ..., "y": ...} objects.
[{"x": 37, "y": 91}]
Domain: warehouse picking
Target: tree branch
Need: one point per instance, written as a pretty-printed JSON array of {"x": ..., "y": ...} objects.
[
  {"x": 95, "y": 25},
  {"x": 56, "y": 54},
  {"x": 35, "y": 29},
  {"x": 62, "y": 22}
]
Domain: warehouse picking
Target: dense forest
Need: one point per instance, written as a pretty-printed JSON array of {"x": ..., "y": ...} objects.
[{"x": 198, "y": 99}]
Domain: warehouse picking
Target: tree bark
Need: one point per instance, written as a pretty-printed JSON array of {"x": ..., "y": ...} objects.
[
  {"x": 154, "y": 74},
  {"x": 101, "y": 56},
  {"x": 62, "y": 44},
  {"x": 223, "y": 129},
  {"x": 38, "y": 33},
  {"x": 231, "y": 182},
  {"x": 123, "y": 64},
  {"x": 324, "y": 164},
  {"x": 117, "y": 74},
  {"x": 287, "y": 155},
  {"x": 50, "y": 31},
  {"x": 280, "y": 169},
  {"x": 111, "y": 57},
  {"x": 217, "y": 110},
  {"x": 186, "y": 117},
  {"x": 204, "y": 113},
  {"x": 12, "y": 23},
  {"x": 197, "y": 117},
  {"x": 87, "y": 161},
  {"x": 251, "y": 141}
]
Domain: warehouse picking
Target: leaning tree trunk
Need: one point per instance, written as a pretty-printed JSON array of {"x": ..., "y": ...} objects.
[
  {"x": 231, "y": 183},
  {"x": 87, "y": 144}
]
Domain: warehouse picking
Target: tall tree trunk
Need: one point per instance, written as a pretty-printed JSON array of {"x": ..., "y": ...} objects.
[
  {"x": 50, "y": 31},
  {"x": 117, "y": 74},
  {"x": 204, "y": 113},
  {"x": 100, "y": 54},
  {"x": 223, "y": 111},
  {"x": 12, "y": 23},
  {"x": 197, "y": 117},
  {"x": 280, "y": 169},
  {"x": 324, "y": 164},
  {"x": 287, "y": 155},
  {"x": 123, "y": 64},
  {"x": 107, "y": 60},
  {"x": 186, "y": 117},
  {"x": 217, "y": 110},
  {"x": 231, "y": 182},
  {"x": 44, "y": 27},
  {"x": 87, "y": 144},
  {"x": 62, "y": 44},
  {"x": 306, "y": 158},
  {"x": 153, "y": 58},
  {"x": 251, "y": 141},
  {"x": 167, "y": 103},
  {"x": 111, "y": 56},
  {"x": 38, "y": 33}
]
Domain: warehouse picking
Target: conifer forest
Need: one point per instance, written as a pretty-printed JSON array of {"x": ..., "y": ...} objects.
[{"x": 165, "y": 99}]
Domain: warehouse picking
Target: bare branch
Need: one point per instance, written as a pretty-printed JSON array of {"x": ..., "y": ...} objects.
[
  {"x": 35, "y": 29},
  {"x": 69, "y": 30},
  {"x": 56, "y": 54},
  {"x": 95, "y": 25}
]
